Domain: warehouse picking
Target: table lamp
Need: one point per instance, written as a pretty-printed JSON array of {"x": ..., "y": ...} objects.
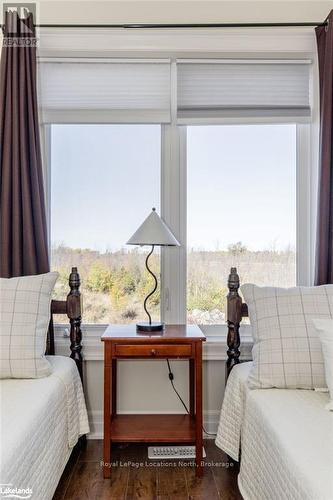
[{"x": 153, "y": 232}]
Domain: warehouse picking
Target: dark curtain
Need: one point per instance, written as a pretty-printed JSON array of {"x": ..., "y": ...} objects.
[
  {"x": 23, "y": 231},
  {"x": 324, "y": 255}
]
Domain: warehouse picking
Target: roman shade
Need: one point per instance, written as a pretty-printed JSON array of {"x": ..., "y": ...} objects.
[
  {"x": 140, "y": 90},
  {"x": 223, "y": 88},
  {"x": 105, "y": 90}
]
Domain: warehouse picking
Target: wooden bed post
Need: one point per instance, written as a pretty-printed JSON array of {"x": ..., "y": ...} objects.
[
  {"x": 74, "y": 315},
  {"x": 234, "y": 317},
  {"x": 50, "y": 350}
]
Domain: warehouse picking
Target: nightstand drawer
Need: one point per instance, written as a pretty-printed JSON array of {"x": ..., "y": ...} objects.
[{"x": 153, "y": 350}]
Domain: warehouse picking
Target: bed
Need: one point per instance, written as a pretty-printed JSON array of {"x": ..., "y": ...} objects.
[
  {"x": 43, "y": 419},
  {"x": 282, "y": 437}
]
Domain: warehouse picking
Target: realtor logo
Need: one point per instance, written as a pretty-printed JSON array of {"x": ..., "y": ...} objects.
[
  {"x": 8, "y": 491},
  {"x": 18, "y": 31},
  {"x": 23, "y": 10}
]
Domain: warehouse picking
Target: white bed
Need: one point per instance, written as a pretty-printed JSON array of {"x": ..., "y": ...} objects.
[
  {"x": 286, "y": 439},
  {"x": 41, "y": 421}
]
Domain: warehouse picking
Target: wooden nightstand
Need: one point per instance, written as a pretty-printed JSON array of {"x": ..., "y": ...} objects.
[{"x": 177, "y": 341}]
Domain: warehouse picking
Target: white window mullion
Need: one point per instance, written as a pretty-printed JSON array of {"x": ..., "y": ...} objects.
[
  {"x": 45, "y": 135},
  {"x": 173, "y": 209},
  {"x": 306, "y": 205}
]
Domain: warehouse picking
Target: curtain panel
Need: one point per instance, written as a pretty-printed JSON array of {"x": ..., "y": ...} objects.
[
  {"x": 324, "y": 254},
  {"x": 23, "y": 229}
]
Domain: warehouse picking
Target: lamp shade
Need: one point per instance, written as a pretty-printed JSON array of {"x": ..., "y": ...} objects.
[{"x": 153, "y": 231}]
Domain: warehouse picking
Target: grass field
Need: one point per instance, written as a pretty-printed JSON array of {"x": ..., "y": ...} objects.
[{"x": 114, "y": 284}]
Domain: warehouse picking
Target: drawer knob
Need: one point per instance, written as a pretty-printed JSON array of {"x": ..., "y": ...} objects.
[{"x": 153, "y": 352}]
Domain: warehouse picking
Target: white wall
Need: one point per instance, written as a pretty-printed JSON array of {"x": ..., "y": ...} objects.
[
  {"x": 144, "y": 387},
  {"x": 186, "y": 11}
]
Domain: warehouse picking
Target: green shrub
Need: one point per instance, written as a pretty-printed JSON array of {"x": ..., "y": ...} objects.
[
  {"x": 205, "y": 297},
  {"x": 125, "y": 281},
  {"x": 99, "y": 278}
]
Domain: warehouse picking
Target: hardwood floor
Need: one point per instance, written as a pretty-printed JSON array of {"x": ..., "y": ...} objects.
[{"x": 83, "y": 478}]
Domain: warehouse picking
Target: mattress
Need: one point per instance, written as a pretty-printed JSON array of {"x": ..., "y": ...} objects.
[
  {"x": 41, "y": 421},
  {"x": 286, "y": 440}
]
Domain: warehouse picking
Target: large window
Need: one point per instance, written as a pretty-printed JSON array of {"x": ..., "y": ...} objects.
[
  {"x": 241, "y": 210},
  {"x": 241, "y": 191},
  {"x": 105, "y": 180},
  {"x": 225, "y": 149}
]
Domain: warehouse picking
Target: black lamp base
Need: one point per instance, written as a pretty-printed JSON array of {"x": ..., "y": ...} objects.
[{"x": 149, "y": 327}]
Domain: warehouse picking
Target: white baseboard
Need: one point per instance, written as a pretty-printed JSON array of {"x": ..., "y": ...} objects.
[
  {"x": 95, "y": 424},
  {"x": 210, "y": 422}
]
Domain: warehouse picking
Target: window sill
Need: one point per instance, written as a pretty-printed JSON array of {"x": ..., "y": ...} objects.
[{"x": 215, "y": 347}]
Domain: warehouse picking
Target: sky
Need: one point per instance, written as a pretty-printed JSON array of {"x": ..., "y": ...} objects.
[{"x": 241, "y": 184}]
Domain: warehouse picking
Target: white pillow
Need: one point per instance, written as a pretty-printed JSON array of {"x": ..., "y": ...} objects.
[
  {"x": 24, "y": 319},
  {"x": 287, "y": 350},
  {"x": 324, "y": 328}
]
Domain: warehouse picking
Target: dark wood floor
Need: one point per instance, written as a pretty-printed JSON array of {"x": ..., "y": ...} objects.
[{"x": 83, "y": 479}]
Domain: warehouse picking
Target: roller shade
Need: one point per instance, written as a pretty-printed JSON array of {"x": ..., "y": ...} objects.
[
  {"x": 223, "y": 88},
  {"x": 108, "y": 90}
]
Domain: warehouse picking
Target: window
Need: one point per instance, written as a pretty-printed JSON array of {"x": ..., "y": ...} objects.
[
  {"x": 231, "y": 169},
  {"x": 104, "y": 181},
  {"x": 241, "y": 210}
]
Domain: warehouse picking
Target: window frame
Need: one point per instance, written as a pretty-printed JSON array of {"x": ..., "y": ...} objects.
[
  {"x": 174, "y": 194},
  {"x": 174, "y": 211},
  {"x": 173, "y": 191},
  {"x": 46, "y": 150}
]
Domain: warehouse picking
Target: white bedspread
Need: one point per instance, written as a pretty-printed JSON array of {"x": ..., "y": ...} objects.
[
  {"x": 286, "y": 440},
  {"x": 232, "y": 412},
  {"x": 41, "y": 421}
]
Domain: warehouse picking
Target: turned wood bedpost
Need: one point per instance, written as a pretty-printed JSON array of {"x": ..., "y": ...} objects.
[
  {"x": 74, "y": 315},
  {"x": 50, "y": 349},
  {"x": 234, "y": 317}
]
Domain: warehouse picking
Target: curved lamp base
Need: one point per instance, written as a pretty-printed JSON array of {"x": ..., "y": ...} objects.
[{"x": 149, "y": 327}]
